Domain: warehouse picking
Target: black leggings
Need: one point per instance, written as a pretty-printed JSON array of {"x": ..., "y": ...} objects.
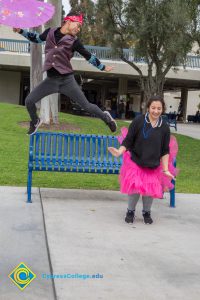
[{"x": 65, "y": 85}]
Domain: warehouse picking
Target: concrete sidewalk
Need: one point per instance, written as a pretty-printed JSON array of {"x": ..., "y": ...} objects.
[
  {"x": 86, "y": 234},
  {"x": 188, "y": 129},
  {"x": 22, "y": 239}
]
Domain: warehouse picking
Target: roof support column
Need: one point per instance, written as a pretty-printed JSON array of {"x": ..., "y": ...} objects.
[
  {"x": 184, "y": 98},
  {"x": 122, "y": 88},
  {"x": 103, "y": 94}
]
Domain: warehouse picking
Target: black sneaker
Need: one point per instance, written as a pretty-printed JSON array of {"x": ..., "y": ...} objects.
[
  {"x": 147, "y": 217},
  {"x": 34, "y": 127},
  {"x": 130, "y": 216},
  {"x": 110, "y": 122}
]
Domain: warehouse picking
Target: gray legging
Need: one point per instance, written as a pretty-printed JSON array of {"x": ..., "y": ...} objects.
[
  {"x": 133, "y": 200},
  {"x": 66, "y": 85}
]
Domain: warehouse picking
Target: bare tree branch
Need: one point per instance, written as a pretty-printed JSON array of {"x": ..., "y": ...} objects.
[{"x": 132, "y": 65}]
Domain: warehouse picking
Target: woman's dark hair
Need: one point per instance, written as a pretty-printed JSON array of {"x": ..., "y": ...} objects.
[
  {"x": 73, "y": 13},
  {"x": 156, "y": 98}
]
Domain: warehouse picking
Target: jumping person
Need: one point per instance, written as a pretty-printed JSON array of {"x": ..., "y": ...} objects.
[
  {"x": 61, "y": 43},
  {"x": 148, "y": 154}
]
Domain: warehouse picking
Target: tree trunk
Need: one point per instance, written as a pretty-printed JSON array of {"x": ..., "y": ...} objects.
[
  {"x": 151, "y": 85},
  {"x": 36, "y": 64},
  {"x": 49, "y": 105}
]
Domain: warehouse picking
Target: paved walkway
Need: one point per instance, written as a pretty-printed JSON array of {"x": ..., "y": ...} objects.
[
  {"x": 83, "y": 232},
  {"x": 188, "y": 129},
  {"x": 22, "y": 239}
]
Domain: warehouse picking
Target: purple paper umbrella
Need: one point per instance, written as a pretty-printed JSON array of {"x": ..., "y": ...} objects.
[{"x": 25, "y": 13}]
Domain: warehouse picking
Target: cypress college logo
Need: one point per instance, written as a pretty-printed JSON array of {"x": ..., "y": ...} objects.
[{"x": 22, "y": 276}]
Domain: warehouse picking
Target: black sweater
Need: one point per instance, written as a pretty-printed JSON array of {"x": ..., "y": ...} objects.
[{"x": 147, "y": 144}]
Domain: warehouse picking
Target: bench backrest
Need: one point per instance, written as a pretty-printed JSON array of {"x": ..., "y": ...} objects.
[
  {"x": 171, "y": 121},
  {"x": 73, "y": 153}
]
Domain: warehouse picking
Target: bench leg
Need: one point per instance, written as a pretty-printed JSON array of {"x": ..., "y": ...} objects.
[
  {"x": 29, "y": 185},
  {"x": 172, "y": 196}
]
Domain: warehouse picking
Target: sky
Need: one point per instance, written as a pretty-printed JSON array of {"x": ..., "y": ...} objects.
[{"x": 66, "y": 5}]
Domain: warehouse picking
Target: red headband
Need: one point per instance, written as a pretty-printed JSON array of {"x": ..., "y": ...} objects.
[{"x": 75, "y": 18}]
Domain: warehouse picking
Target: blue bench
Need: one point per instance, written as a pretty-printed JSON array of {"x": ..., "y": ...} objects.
[
  {"x": 193, "y": 118},
  {"x": 171, "y": 120},
  {"x": 68, "y": 152}
]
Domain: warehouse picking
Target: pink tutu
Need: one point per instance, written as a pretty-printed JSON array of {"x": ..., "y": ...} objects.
[{"x": 145, "y": 181}]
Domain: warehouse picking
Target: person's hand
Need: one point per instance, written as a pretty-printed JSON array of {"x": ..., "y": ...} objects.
[
  {"x": 17, "y": 30},
  {"x": 108, "y": 68},
  {"x": 114, "y": 151},
  {"x": 168, "y": 174}
]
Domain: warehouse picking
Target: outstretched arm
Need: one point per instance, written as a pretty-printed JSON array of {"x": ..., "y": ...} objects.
[
  {"x": 91, "y": 58},
  {"x": 34, "y": 37},
  {"x": 165, "y": 161},
  {"x": 117, "y": 152},
  {"x": 165, "y": 154}
]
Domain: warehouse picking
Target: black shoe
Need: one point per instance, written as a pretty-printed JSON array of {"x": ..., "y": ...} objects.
[
  {"x": 34, "y": 127},
  {"x": 110, "y": 122},
  {"x": 130, "y": 216},
  {"x": 147, "y": 217}
]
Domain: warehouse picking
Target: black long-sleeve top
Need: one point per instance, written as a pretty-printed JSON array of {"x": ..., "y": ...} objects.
[
  {"x": 147, "y": 144},
  {"x": 77, "y": 46}
]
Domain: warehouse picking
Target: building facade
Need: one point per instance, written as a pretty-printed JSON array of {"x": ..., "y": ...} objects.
[{"x": 100, "y": 87}]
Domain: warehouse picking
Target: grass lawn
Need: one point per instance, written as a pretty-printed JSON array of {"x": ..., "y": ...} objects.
[{"x": 14, "y": 155}]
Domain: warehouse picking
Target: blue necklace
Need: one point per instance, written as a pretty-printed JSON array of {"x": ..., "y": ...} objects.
[{"x": 146, "y": 132}]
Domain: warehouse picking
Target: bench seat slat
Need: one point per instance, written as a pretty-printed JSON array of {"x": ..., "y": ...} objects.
[{"x": 78, "y": 166}]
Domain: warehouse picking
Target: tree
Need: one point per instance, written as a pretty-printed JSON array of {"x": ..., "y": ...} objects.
[
  {"x": 49, "y": 105},
  {"x": 63, "y": 13},
  {"x": 36, "y": 63},
  {"x": 159, "y": 31},
  {"x": 92, "y": 33},
  {"x": 195, "y": 17}
]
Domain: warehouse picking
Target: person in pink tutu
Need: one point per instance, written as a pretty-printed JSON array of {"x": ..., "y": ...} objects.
[{"x": 148, "y": 156}]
